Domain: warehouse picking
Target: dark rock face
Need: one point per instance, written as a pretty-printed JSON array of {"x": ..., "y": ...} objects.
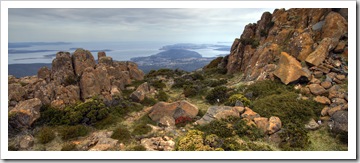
[
  {"x": 340, "y": 121},
  {"x": 62, "y": 68},
  {"x": 25, "y": 113},
  {"x": 305, "y": 34},
  {"x": 82, "y": 59}
]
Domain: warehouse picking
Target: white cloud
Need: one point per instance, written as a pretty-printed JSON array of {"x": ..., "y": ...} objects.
[{"x": 129, "y": 24}]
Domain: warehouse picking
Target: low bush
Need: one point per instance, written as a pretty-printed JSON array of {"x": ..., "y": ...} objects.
[
  {"x": 220, "y": 128},
  {"x": 247, "y": 131},
  {"x": 141, "y": 125},
  {"x": 137, "y": 148},
  {"x": 193, "y": 141},
  {"x": 70, "y": 132},
  {"x": 237, "y": 97},
  {"x": 122, "y": 134},
  {"x": 148, "y": 101},
  {"x": 215, "y": 82},
  {"x": 157, "y": 84},
  {"x": 230, "y": 144},
  {"x": 106, "y": 122},
  {"x": 162, "y": 96},
  {"x": 294, "y": 138},
  {"x": 88, "y": 112},
  {"x": 217, "y": 95},
  {"x": 45, "y": 135},
  {"x": 163, "y": 72},
  {"x": 124, "y": 108},
  {"x": 190, "y": 91},
  {"x": 69, "y": 147},
  {"x": 265, "y": 88}
]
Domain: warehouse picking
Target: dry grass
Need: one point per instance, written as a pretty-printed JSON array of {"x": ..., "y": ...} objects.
[{"x": 321, "y": 140}]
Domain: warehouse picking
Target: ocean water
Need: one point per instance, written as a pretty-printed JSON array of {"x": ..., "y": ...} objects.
[{"x": 21, "y": 53}]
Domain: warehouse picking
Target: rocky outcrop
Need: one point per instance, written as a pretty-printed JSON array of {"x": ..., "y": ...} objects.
[
  {"x": 174, "y": 110},
  {"x": 220, "y": 112},
  {"x": 139, "y": 94},
  {"x": 158, "y": 144},
  {"x": 99, "y": 141},
  {"x": 289, "y": 69},
  {"x": 82, "y": 59},
  {"x": 310, "y": 37},
  {"x": 62, "y": 70},
  {"x": 74, "y": 78},
  {"x": 25, "y": 113}
]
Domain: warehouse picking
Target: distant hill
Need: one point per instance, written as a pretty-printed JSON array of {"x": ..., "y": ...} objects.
[
  {"x": 171, "y": 54},
  {"x": 21, "y": 70},
  {"x": 172, "y": 59}
]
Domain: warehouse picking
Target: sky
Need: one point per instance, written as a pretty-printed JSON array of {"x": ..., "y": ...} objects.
[{"x": 123, "y": 24}]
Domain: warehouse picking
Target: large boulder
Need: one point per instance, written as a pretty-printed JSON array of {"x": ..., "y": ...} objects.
[
  {"x": 220, "y": 112},
  {"x": 175, "y": 110},
  {"x": 301, "y": 46},
  {"x": 139, "y": 94},
  {"x": 16, "y": 92},
  {"x": 25, "y": 113},
  {"x": 99, "y": 141},
  {"x": 289, "y": 69},
  {"x": 335, "y": 26},
  {"x": 82, "y": 59},
  {"x": 320, "y": 53},
  {"x": 274, "y": 125},
  {"x": 88, "y": 84},
  {"x": 44, "y": 73},
  {"x": 340, "y": 121},
  {"x": 158, "y": 144},
  {"x": 62, "y": 68},
  {"x": 66, "y": 96},
  {"x": 134, "y": 71}
]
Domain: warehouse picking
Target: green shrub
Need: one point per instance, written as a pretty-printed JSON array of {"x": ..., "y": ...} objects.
[
  {"x": 193, "y": 141},
  {"x": 106, "y": 122},
  {"x": 287, "y": 107},
  {"x": 258, "y": 147},
  {"x": 237, "y": 97},
  {"x": 162, "y": 96},
  {"x": 244, "y": 130},
  {"x": 68, "y": 147},
  {"x": 230, "y": 144},
  {"x": 124, "y": 108},
  {"x": 137, "y": 148},
  {"x": 217, "y": 95},
  {"x": 190, "y": 91},
  {"x": 250, "y": 41},
  {"x": 141, "y": 125},
  {"x": 267, "y": 87},
  {"x": 69, "y": 132},
  {"x": 122, "y": 134},
  {"x": 158, "y": 84},
  {"x": 88, "y": 112},
  {"x": 197, "y": 76},
  {"x": 148, "y": 101},
  {"x": 45, "y": 135},
  {"x": 215, "y": 82},
  {"x": 213, "y": 141},
  {"x": 220, "y": 128},
  {"x": 294, "y": 138},
  {"x": 180, "y": 82}
]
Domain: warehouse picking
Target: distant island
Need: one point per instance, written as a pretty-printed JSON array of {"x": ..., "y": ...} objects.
[
  {"x": 191, "y": 46},
  {"x": 173, "y": 59}
]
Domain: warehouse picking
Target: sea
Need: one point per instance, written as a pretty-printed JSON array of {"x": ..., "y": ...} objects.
[{"x": 45, "y": 52}]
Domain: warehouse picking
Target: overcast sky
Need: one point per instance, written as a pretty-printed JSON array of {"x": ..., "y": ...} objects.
[{"x": 86, "y": 25}]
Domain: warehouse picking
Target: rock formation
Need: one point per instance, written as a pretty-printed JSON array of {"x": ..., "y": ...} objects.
[{"x": 73, "y": 78}]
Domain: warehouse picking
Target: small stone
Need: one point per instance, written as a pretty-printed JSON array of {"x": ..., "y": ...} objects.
[
  {"x": 322, "y": 100},
  {"x": 274, "y": 125},
  {"x": 326, "y": 84},
  {"x": 26, "y": 142},
  {"x": 312, "y": 125},
  {"x": 315, "y": 81},
  {"x": 324, "y": 111},
  {"x": 316, "y": 89},
  {"x": 250, "y": 114},
  {"x": 318, "y": 74},
  {"x": 340, "y": 47},
  {"x": 336, "y": 63},
  {"x": 305, "y": 91},
  {"x": 325, "y": 118},
  {"x": 331, "y": 111},
  {"x": 341, "y": 77},
  {"x": 338, "y": 101}
]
